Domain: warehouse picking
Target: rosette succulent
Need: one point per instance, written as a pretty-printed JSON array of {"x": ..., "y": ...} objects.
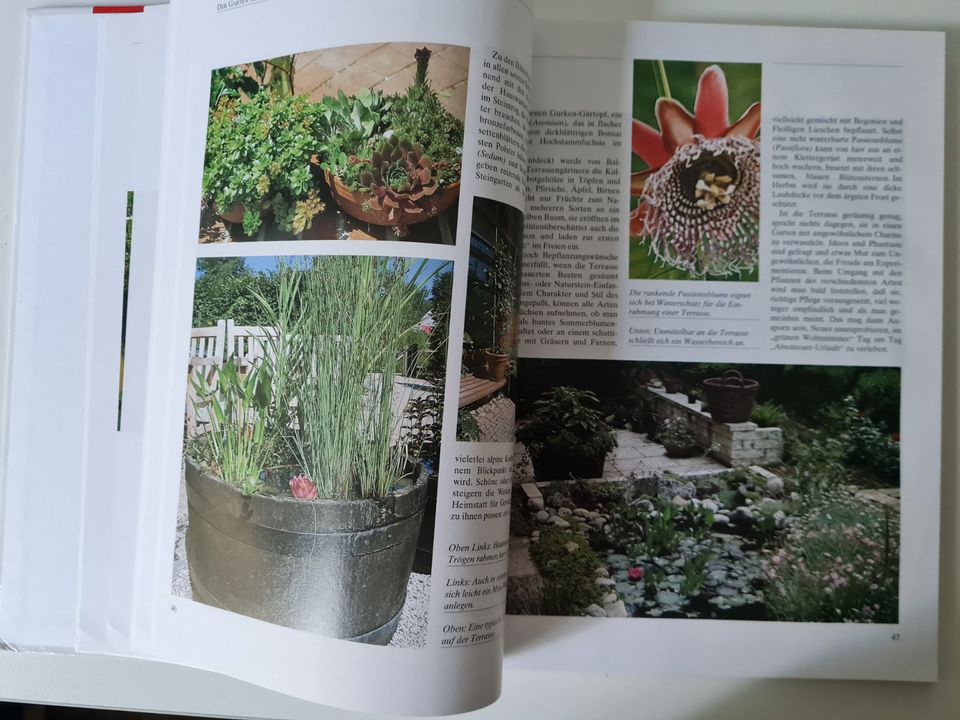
[
  {"x": 699, "y": 198},
  {"x": 399, "y": 178},
  {"x": 303, "y": 488}
]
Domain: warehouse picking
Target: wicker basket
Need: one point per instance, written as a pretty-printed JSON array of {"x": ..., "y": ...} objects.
[{"x": 731, "y": 397}]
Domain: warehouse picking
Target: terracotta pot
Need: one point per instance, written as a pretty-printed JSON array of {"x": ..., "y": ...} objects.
[
  {"x": 333, "y": 567},
  {"x": 497, "y": 364},
  {"x": 352, "y": 202},
  {"x": 233, "y": 215}
]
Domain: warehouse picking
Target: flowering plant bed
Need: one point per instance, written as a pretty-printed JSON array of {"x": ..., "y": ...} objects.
[{"x": 735, "y": 545}]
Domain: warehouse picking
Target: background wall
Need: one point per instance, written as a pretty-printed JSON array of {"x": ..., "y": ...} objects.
[{"x": 138, "y": 684}]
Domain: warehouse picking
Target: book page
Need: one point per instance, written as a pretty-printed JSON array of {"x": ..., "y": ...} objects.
[
  {"x": 69, "y": 516},
  {"x": 341, "y": 206},
  {"x": 729, "y": 393}
]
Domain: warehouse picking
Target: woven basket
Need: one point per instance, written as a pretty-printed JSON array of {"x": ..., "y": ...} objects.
[{"x": 731, "y": 397}]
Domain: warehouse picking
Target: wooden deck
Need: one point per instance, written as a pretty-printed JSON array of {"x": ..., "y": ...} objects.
[{"x": 474, "y": 389}]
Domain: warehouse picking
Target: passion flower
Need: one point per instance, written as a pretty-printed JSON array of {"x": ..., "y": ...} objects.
[{"x": 699, "y": 198}]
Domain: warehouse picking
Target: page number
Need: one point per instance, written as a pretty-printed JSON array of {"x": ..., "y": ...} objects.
[{"x": 895, "y": 636}]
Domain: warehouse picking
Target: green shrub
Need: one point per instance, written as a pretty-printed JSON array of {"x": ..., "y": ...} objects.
[
  {"x": 569, "y": 577},
  {"x": 258, "y": 155},
  {"x": 625, "y": 530},
  {"x": 567, "y": 423},
  {"x": 818, "y": 464},
  {"x": 877, "y": 393},
  {"x": 468, "y": 429},
  {"x": 869, "y": 446},
  {"x": 768, "y": 415}
]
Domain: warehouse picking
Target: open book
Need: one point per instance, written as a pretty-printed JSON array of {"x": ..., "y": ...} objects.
[{"x": 363, "y": 346}]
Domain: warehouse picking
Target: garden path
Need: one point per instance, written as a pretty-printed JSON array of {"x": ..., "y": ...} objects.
[
  {"x": 634, "y": 453},
  {"x": 388, "y": 67}
]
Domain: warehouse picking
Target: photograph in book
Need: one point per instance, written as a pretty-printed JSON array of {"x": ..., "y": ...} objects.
[
  {"x": 361, "y": 142},
  {"x": 695, "y": 490},
  {"x": 695, "y": 182},
  {"x": 312, "y": 438},
  {"x": 491, "y": 324}
]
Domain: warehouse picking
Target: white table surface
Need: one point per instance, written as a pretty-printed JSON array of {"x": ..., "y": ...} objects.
[{"x": 132, "y": 684}]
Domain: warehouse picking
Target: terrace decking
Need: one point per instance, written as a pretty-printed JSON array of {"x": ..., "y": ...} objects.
[{"x": 474, "y": 389}]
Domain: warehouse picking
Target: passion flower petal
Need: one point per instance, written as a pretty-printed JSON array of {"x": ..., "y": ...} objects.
[
  {"x": 647, "y": 145},
  {"x": 710, "y": 116},
  {"x": 748, "y": 125},
  {"x": 676, "y": 124}
]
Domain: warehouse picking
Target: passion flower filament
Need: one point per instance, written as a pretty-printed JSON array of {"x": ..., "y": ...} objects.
[{"x": 702, "y": 207}]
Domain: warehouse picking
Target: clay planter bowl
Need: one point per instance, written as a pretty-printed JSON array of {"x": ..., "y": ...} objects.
[
  {"x": 352, "y": 202},
  {"x": 233, "y": 215},
  {"x": 334, "y": 567}
]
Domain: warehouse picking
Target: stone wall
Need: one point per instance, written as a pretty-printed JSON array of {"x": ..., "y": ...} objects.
[{"x": 733, "y": 444}]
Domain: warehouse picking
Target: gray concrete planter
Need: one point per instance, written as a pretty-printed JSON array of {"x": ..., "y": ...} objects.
[{"x": 334, "y": 567}]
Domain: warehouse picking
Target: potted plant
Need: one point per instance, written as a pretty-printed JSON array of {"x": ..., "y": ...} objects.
[
  {"x": 327, "y": 501},
  {"x": 503, "y": 286},
  {"x": 731, "y": 397},
  {"x": 567, "y": 435},
  {"x": 392, "y": 161},
  {"x": 677, "y": 437},
  {"x": 258, "y": 161}
]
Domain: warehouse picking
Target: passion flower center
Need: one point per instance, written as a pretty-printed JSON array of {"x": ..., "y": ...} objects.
[{"x": 709, "y": 180}]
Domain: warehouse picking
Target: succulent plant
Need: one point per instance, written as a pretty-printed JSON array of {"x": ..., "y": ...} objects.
[
  {"x": 400, "y": 177},
  {"x": 303, "y": 488}
]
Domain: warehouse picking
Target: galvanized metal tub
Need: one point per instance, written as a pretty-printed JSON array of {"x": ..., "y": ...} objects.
[{"x": 334, "y": 567}]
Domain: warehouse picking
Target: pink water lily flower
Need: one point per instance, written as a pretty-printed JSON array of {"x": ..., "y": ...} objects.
[
  {"x": 700, "y": 194},
  {"x": 635, "y": 574},
  {"x": 303, "y": 488}
]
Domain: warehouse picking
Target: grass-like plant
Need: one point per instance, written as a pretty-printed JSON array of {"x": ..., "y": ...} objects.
[{"x": 341, "y": 329}]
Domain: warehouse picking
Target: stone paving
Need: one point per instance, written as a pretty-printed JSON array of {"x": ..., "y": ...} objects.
[
  {"x": 634, "y": 453},
  {"x": 496, "y": 419},
  {"x": 388, "y": 67}
]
